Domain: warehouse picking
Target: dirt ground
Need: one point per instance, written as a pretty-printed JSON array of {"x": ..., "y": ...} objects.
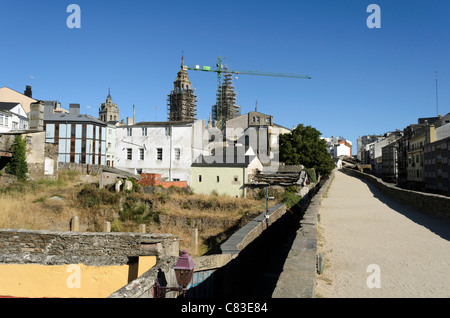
[{"x": 374, "y": 246}]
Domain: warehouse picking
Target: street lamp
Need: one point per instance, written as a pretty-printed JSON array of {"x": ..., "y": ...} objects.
[{"x": 184, "y": 269}]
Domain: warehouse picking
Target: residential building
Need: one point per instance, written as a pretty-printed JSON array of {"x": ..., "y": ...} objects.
[
  {"x": 228, "y": 176},
  {"x": 12, "y": 117},
  {"x": 110, "y": 144},
  {"x": 338, "y": 147},
  {"x": 11, "y": 96},
  {"x": 166, "y": 148},
  {"x": 437, "y": 166},
  {"x": 81, "y": 138},
  {"x": 258, "y": 131},
  {"x": 389, "y": 164}
]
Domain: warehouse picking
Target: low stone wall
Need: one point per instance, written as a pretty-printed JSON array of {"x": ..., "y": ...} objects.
[
  {"x": 434, "y": 204},
  {"x": 90, "y": 248},
  {"x": 253, "y": 229},
  {"x": 298, "y": 278}
]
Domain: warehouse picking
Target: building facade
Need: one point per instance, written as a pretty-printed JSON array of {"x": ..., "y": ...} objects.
[
  {"x": 166, "y": 148},
  {"x": 80, "y": 138},
  {"x": 12, "y": 117},
  {"x": 437, "y": 166},
  {"x": 228, "y": 176}
]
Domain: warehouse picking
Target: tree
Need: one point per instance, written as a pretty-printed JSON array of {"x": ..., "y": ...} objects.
[
  {"x": 18, "y": 164},
  {"x": 303, "y": 146}
]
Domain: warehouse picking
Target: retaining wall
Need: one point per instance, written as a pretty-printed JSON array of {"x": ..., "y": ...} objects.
[{"x": 434, "y": 204}]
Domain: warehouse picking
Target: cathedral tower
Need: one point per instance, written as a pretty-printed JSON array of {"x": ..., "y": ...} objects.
[
  {"x": 108, "y": 112},
  {"x": 181, "y": 102}
]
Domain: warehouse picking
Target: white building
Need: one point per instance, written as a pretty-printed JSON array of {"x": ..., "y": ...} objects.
[
  {"x": 110, "y": 144},
  {"x": 167, "y": 148},
  {"x": 12, "y": 117},
  {"x": 338, "y": 147}
]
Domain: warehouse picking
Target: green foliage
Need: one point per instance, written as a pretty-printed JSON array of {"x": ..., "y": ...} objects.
[
  {"x": 290, "y": 199},
  {"x": 90, "y": 196},
  {"x": 18, "y": 164},
  {"x": 304, "y": 147},
  {"x": 311, "y": 174}
]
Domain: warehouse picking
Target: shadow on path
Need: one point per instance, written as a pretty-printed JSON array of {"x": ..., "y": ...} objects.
[{"x": 438, "y": 225}]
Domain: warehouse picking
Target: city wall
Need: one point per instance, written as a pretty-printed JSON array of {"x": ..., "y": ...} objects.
[
  {"x": 433, "y": 204},
  {"x": 298, "y": 278}
]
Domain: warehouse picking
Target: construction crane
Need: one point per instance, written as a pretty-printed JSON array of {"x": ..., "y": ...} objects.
[{"x": 220, "y": 69}]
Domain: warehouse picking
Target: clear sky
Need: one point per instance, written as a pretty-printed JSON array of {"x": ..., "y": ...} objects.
[{"x": 364, "y": 80}]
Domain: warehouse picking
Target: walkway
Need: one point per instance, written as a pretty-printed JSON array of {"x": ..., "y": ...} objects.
[{"x": 370, "y": 241}]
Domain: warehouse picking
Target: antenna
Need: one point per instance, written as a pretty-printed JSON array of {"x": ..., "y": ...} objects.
[{"x": 437, "y": 101}]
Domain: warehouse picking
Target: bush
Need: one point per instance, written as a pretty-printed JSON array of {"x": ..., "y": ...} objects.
[{"x": 18, "y": 164}]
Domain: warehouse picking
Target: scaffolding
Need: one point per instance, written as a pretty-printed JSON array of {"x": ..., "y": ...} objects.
[
  {"x": 226, "y": 96},
  {"x": 181, "y": 105},
  {"x": 181, "y": 101}
]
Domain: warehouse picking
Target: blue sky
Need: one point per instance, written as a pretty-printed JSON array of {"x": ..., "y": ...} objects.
[{"x": 364, "y": 81}]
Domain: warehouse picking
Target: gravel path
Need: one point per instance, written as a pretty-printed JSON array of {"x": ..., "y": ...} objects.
[{"x": 374, "y": 246}]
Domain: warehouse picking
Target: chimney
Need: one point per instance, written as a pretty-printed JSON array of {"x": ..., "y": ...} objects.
[
  {"x": 37, "y": 116},
  {"x": 129, "y": 121},
  {"x": 28, "y": 91},
  {"x": 74, "y": 109}
]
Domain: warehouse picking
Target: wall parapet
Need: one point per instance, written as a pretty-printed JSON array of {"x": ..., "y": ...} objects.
[
  {"x": 53, "y": 247},
  {"x": 434, "y": 204},
  {"x": 298, "y": 278}
]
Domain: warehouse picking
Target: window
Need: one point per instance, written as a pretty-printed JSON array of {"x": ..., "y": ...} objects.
[
  {"x": 168, "y": 131},
  {"x": 159, "y": 153},
  {"x": 129, "y": 154},
  {"x": 199, "y": 178},
  {"x": 73, "y": 129},
  {"x": 144, "y": 131},
  {"x": 177, "y": 153},
  {"x": 218, "y": 179},
  {"x": 83, "y": 131},
  {"x": 1, "y": 120},
  {"x": 141, "y": 153},
  {"x": 129, "y": 131}
]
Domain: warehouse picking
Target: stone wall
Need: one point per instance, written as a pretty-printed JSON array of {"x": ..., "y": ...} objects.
[
  {"x": 434, "y": 204},
  {"x": 298, "y": 278},
  {"x": 90, "y": 248}
]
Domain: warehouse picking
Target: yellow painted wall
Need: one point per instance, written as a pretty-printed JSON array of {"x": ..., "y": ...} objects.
[
  {"x": 67, "y": 281},
  {"x": 226, "y": 184}
]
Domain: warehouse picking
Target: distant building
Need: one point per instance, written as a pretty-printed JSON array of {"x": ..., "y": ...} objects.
[
  {"x": 228, "y": 176},
  {"x": 437, "y": 166},
  {"x": 229, "y": 109},
  {"x": 109, "y": 112},
  {"x": 258, "y": 131},
  {"x": 12, "y": 117},
  {"x": 181, "y": 102},
  {"x": 339, "y": 147},
  {"x": 9, "y": 95},
  {"x": 80, "y": 138},
  {"x": 166, "y": 148}
]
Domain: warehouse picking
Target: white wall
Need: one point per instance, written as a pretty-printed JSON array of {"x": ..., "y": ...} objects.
[{"x": 182, "y": 138}]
